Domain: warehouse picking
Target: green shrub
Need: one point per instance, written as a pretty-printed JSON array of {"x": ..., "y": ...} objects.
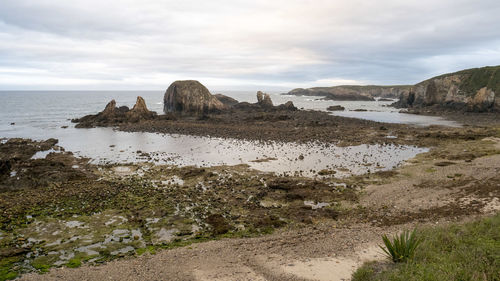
[
  {"x": 453, "y": 252},
  {"x": 402, "y": 247}
]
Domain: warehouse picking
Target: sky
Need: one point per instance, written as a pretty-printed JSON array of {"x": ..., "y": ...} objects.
[{"x": 240, "y": 45}]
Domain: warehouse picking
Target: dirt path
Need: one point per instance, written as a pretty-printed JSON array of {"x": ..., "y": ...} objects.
[{"x": 323, "y": 252}]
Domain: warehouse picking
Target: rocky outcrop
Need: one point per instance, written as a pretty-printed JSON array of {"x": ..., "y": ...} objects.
[
  {"x": 264, "y": 100},
  {"x": 190, "y": 97},
  {"x": 335, "y": 108},
  {"x": 113, "y": 115},
  {"x": 483, "y": 100},
  {"x": 352, "y": 93},
  {"x": 287, "y": 106},
  {"x": 476, "y": 90},
  {"x": 264, "y": 103},
  {"x": 140, "y": 111},
  {"x": 227, "y": 101}
]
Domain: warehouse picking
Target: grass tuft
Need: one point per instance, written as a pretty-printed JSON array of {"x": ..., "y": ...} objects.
[
  {"x": 402, "y": 247},
  {"x": 454, "y": 252}
]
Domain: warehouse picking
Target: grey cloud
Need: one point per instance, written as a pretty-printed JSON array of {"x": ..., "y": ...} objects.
[{"x": 264, "y": 42}]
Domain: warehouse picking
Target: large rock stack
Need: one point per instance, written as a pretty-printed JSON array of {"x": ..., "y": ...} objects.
[{"x": 190, "y": 97}]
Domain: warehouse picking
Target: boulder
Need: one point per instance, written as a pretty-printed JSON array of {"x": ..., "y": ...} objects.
[
  {"x": 227, "y": 101},
  {"x": 335, "y": 108},
  {"x": 264, "y": 100},
  {"x": 191, "y": 98},
  {"x": 287, "y": 106}
]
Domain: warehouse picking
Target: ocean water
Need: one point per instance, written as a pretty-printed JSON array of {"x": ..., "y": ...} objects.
[{"x": 43, "y": 114}]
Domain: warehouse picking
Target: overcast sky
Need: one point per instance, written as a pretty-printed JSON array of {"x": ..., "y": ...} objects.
[{"x": 233, "y": 44}]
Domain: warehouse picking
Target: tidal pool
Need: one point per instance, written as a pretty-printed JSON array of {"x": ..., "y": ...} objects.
[{"x": 108, "y": 146}]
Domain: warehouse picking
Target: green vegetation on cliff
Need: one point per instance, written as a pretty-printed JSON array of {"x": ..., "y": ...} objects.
[
  {"x": 475, "y": 79},
  {"x": 478, "y": 78},
  {"x": 368, "y": 87}
]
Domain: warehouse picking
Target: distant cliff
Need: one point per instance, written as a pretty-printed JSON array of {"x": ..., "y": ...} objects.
[
  {"x": 353, "y": 92},
  {"x": 476, "y": 89}
]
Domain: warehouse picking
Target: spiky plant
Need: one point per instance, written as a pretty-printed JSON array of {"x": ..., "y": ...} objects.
[{"x": 402, "y": 247}]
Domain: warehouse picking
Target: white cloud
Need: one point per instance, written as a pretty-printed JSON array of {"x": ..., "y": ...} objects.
[{"x": 148, "y": 44}]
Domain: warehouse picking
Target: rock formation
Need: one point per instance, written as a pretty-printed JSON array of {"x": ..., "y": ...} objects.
[
  {"x": 112, "y": 115},
  {"x": 190, "y": 98},
  {"x": 140, "y": 111},
  {"x": 287, "y": 106},
  {"x": 264, "y": 100},
  {"x": 475, "y": 90},
  {"x": 483, "y": 100},
  {"x": 264, "y": 103},
  {"x": 110, "y": 110},
  {"x": 335, "y": 108},
  {"x": 227, "y": 101}
]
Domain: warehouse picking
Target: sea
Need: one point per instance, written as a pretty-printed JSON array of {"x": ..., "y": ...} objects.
[{"x": 47, "y": 114}]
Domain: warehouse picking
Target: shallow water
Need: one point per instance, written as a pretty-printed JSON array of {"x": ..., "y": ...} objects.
[
  {"x": 108, "y": 146},
  {"x": 41, "y": 115},
  {"x": 379, "y": 111}
]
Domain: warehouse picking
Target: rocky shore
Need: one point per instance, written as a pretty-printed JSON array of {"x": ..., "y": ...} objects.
[
  {"x": 66, "y": 212},
  {"x": 192, "y": 113},
  {"x": 352, "y": 93},
  {"x": 60, "y": 212},
  {"x": 471, "y": 90}
]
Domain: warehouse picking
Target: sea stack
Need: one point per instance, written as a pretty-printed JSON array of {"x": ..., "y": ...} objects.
[
  {"x": 264, "y": 100},
  {"x": 140, "y": 111},
  {"x": 190, "y": 97}
]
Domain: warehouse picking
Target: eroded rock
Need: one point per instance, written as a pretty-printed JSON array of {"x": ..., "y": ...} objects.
[
  {"x": 190, "y": 97},
  {"x": 264, "y": 100},
  {"x": 140, "y": 111},
  {"x": 467, "y": 90},
  {"x": 227, "y": 101},
  {"x": 483, "y": 100},
  {"x": 113, "y": 115}
]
